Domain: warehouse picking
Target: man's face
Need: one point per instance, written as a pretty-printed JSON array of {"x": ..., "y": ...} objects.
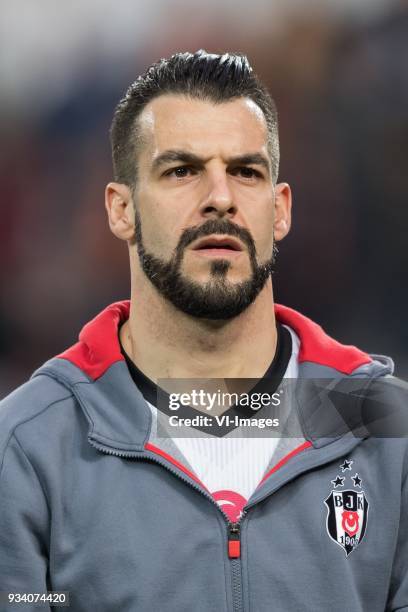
[{"x": 204, "y": 202}]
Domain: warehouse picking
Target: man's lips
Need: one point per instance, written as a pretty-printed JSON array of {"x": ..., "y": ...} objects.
[
  {"x": 217, "y": 246},
  {"x": 217, "y": 253}
]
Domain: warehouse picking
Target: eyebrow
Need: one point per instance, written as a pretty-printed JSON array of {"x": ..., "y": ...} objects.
[{"x": 185, "y": 157}]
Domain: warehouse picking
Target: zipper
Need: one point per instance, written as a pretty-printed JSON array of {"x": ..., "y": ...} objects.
[
  {"x": 234, "y": 553},
  {"x": 234, "y": 529},
  {"x": 234, "y": 540}
]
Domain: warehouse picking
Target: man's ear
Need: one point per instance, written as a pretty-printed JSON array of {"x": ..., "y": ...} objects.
[
  {"x": 120, "y": 209},
  {"x": 283, "y": 211}
]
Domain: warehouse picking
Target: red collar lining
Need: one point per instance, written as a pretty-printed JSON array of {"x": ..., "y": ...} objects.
[
  {"x": 316, "y": 346},
  {"x": 98, "y": 347}
]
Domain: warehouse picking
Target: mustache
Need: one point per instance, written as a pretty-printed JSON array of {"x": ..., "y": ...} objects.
[{"x": 214, "y": 226}]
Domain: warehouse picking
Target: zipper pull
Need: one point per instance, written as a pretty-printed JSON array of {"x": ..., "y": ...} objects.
[{"x": 234, "y": 542}]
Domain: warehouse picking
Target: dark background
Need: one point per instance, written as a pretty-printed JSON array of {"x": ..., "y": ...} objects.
[{"x": 340, "y": 79}]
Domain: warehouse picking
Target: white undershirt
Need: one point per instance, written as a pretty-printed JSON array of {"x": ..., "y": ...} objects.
[{"x": 231, "y": 467}]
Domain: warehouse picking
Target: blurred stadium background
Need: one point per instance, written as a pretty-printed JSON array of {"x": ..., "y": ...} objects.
[{"x": 338, "y": 71}]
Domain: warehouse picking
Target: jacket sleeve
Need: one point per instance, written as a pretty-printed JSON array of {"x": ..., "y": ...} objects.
[
  {"x": 398, "y": 594},
  {"x": 24, "y": 527}
]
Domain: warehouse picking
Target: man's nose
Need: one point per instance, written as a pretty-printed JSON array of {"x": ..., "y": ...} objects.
[{"x": 219, "y": 201}]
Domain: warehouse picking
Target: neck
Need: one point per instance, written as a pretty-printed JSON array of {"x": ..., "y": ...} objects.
[{"x": 166, "y": 343}]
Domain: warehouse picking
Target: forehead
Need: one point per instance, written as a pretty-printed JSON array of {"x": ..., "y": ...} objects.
[{"x": 202, "y": 127}]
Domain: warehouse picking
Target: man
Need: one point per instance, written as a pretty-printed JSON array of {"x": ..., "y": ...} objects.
[{"x": 97, "y": 499}]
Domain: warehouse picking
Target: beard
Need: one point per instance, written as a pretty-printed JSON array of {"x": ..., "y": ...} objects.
[{"x": 218, "y": 298}]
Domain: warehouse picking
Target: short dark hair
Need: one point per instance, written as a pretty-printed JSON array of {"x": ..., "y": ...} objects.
[{"x": 202, "y": 75}]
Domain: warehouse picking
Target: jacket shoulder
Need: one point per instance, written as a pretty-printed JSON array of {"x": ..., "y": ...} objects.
[{"x": 27, "y": 402}]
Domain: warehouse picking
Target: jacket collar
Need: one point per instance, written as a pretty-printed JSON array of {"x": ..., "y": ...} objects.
[
  {"x": 96, "y": 372},
  {"x": 98, "y": 347}
]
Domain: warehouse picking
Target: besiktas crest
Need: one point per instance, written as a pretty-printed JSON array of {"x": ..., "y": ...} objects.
[{"x": 347, "y": 518}]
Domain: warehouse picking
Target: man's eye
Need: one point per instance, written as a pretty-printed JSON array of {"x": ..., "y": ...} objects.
[
  {"x": 246, "y": 172},
  {"x": 180, "y": 172}
]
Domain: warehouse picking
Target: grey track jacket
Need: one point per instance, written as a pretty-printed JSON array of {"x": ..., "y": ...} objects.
[{"x": 93, "y": 504}]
